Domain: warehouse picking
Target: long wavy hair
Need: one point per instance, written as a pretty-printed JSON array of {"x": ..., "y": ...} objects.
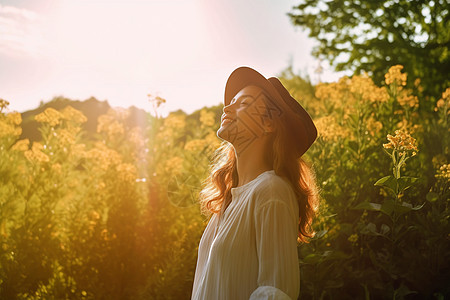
[{"x": 216, "y": 194}]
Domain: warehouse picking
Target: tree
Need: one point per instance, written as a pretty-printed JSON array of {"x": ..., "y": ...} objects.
[{"x": 371, "y": 36}]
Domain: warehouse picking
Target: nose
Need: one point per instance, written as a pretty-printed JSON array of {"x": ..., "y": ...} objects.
[{"x": 227, "y": 108}]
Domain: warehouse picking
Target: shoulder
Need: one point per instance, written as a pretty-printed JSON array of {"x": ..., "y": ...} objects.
[
  {"x": 274, "y": 195},
  {"x": 272, "y": 187}
]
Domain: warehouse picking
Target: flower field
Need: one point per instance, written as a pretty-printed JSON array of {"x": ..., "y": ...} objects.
[{"x": 114, "y": 216}]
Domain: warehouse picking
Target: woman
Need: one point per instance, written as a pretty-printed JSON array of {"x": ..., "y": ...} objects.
[{"x": 261, "y": 193}]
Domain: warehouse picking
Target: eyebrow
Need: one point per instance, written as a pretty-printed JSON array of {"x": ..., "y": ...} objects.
[{"x": 242, "y": 97}]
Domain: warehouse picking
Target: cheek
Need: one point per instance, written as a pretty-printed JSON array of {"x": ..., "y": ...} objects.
[
  {"x": 238, "y": 133},
  {"x": 254, "y": 118}
]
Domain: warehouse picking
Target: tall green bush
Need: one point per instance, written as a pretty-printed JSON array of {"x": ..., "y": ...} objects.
[{"x": 378, "y": 236}]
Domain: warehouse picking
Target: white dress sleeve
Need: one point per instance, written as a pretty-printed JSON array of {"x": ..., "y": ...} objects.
[
  {"x": 269, "y": 293},
  {"x": 276, "y": 244}
]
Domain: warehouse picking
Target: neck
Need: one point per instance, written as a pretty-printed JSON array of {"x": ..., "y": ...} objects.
[{"x": 252, "y": 161}]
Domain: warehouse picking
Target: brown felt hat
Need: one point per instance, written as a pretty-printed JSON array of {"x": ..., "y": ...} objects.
[{"x": 303, "y": 130}]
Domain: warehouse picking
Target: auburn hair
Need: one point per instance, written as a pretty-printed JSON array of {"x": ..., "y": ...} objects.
[{"x": 216, "y": 194}]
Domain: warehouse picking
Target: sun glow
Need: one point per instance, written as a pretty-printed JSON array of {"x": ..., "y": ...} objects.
[{"x": 121, "y": 51}]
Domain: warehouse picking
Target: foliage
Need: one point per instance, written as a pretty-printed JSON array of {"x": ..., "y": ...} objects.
[
  {"x": 91, "y": 108},
  {"x": 113, "y": 215},
  {"x": 371, "y": 35},
  {"x": 379, "y": 236},
  {"x": 101, "y": 219}
]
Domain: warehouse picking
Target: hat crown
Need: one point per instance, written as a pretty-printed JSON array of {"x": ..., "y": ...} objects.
[{"x": 296, "y": 115}]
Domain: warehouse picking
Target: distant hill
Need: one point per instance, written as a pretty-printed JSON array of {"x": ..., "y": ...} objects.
[{"x": 91, "y": 108}]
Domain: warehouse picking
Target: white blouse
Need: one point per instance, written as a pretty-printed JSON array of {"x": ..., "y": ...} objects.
[{"x": 250, "y": 252}]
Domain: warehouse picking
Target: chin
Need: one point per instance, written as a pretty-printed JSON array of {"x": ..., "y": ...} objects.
[
  {"x": 224, "y": 134},
  {"x": 221, "y": 133}
]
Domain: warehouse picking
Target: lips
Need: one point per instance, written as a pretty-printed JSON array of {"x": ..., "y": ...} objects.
[{"x": 226, "y": 119}]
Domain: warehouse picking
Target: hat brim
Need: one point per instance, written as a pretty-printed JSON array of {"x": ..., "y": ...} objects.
[{"x": 302, "y": 127}]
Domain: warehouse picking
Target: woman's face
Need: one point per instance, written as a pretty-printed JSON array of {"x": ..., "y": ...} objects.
[{"x": 246, "y": 118}]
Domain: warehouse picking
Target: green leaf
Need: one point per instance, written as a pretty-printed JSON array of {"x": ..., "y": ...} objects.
[
  {"x": 335, "y": 255},
  {"x": 315, "y": 258},
  {"x": 370, "y": 229},
  {"x": 312, "y": 258},
  {"x": 353, "y": 120},
  {"x": 402, "y": 160},
  {"x": 346, "y": 228},
  {"x": 353, "y": 145},
  {"x": 432, "y": 196},
  {"x": 405, "y": 207},
  {"x": 418, "y": 206},
  {"x": 323, "y": 18},
  {"x": 388, "y": 207},
  {"x": 405, "y": 182},
  {"x": 403, "y": 291},
  {"x": 384, "y": 229},
  {"x": 368, "y": 206},
  {"x": 353, "y": 152},
  {"x": 389, "y": 182}
]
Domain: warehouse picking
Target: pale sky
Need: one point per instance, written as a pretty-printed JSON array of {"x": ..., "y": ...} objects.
[{"x": 122, "y": 50}]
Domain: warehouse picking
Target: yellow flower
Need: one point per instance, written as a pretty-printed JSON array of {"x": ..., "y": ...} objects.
[
  {"x": 78, "y": 150},
  {"x": 174, "y": 165},
  {"x": 112, "y": 123},
  {"x": 444, "y": 102},
  {"x": 394, "y": 75},
  {"x": 6, "y": 129},
  {"x": 22, "y": 145},
  {"x": 212, "y": 140},
  {"x": 353, "y": 238},
  {"x": 105, "y": 234},
  {"x": 103, "y": 122},
  {"x": 100, "y": 186},
  {"x": 127, "y": 172},
  {"x": 71, "y": 114},
  {"x": 344, "y": 99},
  {"x": 56, "y": 168},
  {"x": 175, "y": 121},
  {"x": 36, "y": 154},
  {"x": 206, "y": 118},
  {"x": 374, "y": 126},
  {"x": 65, "y": 137},
  {"x": 334, "y": 93},
  {"x": 14, "y": 117},
  {"x": 402, "y": 141},
  {"x": 3, "y": 104},
  {"x": 136, "y": 138},
  {"x": 9, "y": 124},
  {"x": 108, "y": 124},
  {"x": 329, "y": 129},
  {"x": 363, "y": 87},
  {"x": 156, "y": 100},
  {"x": 443, "y": 172},
  {"x": 50, "y": 116},
  {"x": 406, "y": 99},
  {"x": 102, "y": 157},
  {"x": 417, "y": 82},
  {"x": 446, "y": 94},
  {"x": 196, "y": 145}
]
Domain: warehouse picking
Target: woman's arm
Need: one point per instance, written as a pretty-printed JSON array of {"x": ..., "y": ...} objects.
[{"x": 276, "y": 243}]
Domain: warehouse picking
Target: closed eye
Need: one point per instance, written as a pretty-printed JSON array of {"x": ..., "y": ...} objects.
[{"x": 246, "y": 101}]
